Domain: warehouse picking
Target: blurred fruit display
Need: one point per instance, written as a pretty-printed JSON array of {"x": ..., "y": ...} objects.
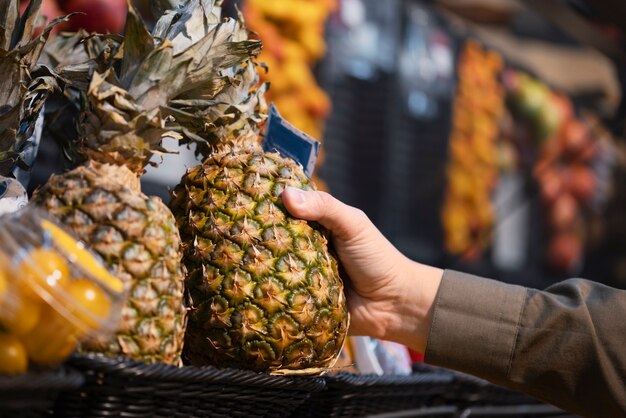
[
  {"x": 505, "y": 119},
  {"x": 292, "y": 32},
  {"x": 102, "y": 16},
  {"x": 569, "y": 156},
  {"x": 472, "y": 171}
]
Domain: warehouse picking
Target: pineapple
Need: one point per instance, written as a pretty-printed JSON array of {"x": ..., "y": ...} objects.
[
  {"x": 264, "y": 290},
  {"x": 24, "y": 87},
  {"x": 120, "y": 128}
]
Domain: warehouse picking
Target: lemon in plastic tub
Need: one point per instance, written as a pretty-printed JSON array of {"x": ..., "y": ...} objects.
[
  {"x": 13, "y": 358},
  {"x": 54, "y": 293},
  {"x": 44, "y": 267}
]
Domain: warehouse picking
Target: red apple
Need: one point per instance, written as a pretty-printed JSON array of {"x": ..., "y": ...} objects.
[
  {"x": 100, "y": 16},
  {"x": 564, "y": 251}
]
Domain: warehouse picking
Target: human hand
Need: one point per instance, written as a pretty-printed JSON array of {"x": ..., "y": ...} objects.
[{"x": 390, "y": 297}]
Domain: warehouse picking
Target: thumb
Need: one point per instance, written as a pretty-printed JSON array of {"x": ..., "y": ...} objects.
[{"x": 342, "y": 220}]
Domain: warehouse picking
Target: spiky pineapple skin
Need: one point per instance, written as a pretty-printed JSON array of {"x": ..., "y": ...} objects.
[
  {"x": 137, "y": 238},
  {"x": 264, "y": 291}
]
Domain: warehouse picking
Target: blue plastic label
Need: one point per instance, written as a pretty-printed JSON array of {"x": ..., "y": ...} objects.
[{"x": 289, "y": 141}]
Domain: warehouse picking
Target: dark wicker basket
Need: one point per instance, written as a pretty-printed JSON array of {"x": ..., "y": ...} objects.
[
  {"x": 348, "y": 395},
  {"x": 472, "y": 391},
  {"x": 33, "y": 394},
  {"x": 120, "y": 387},
  {"x": 467, "y": 390}
]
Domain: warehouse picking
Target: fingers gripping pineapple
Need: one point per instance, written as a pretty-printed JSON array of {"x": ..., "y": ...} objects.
[
  {"x": 265, "y": 292},
  {"x": 121, "y": 127}
]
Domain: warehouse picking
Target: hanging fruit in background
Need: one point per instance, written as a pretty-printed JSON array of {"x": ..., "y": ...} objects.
[
  {"x": 581, "y": 183},
  {"x": 472, "y": 172},
  {"x": 292, "y": 32},
  {"x": 527, "y": 95},
  {"x": 533, "y": 102},
  {"x": 549, "y": 119},
  {"x": 578, "y": 144},
  {"x": 564, "y": 212},
  {"x": 550, "y": 184},
  {"x": 566, "y": 151},
  {"x": 564, "y": 251}
]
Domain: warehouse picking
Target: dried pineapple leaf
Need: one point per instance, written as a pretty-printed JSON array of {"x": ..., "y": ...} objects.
[
  {"x": 188, "y": 23},
  {"x": 26, "y": 25},
  {"x": 18, "y": 123},
  {"x": 9, "y": 18},
  {"x": 192, "y": 75},
  {"x": 24, "y": 87},
  {"x": 149, "y": 85},
  {"x": 138, "y": 45}
]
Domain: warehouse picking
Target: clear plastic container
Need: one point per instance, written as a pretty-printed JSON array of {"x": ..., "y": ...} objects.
[{"x": 54, "y": 293}]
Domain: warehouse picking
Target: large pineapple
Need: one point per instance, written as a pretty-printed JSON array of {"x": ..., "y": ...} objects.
[
  {"x": 24, "y": 86},
  {"x": 120, "y": 129},
  {"x": 264, "y": 290}
]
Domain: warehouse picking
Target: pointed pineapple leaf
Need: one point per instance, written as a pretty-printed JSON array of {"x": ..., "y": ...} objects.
[
  {"x": 188, "y": 24},
  {"x": 151, "y": 73},
  {"x": 27, "y": 24},
  {"x": 9, "y": 15},
  {"x": 138, "y": 44}
]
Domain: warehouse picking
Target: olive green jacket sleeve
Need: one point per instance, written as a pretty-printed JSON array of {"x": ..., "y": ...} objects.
[{"x": 565, "y": 345}]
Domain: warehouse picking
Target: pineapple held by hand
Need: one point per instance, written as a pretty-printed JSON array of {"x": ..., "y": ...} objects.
[
  {"x": 264, "y": 290},
  {"x": 120, "y": 129}
]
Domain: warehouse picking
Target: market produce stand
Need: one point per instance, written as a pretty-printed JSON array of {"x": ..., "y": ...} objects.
[{"x": 244, "y": 306}]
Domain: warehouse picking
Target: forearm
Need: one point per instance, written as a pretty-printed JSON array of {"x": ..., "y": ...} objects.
[{"x": 564, "y": 345}]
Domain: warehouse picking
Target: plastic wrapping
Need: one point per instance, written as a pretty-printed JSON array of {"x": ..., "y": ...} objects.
[{"x": 53, "y": 292}]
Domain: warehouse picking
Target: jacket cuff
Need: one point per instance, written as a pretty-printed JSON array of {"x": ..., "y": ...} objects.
[{"x": 475, "y": 325}]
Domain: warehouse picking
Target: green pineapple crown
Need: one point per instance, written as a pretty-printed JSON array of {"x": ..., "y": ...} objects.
[
  {"x": 25, "y": 85},
  {"x": 150, "y": 85}
]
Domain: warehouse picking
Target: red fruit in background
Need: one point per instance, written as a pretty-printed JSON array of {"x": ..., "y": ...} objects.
[
  {"x": 551, "y": 184},
  {"x": 573, "y": 135},
  {"x": 563, "y": 213},
  {"x": 577, "y": 143},
  {"x": 100, "y": 16},
  {"x": 564, "y": 104},
  {"x": 581, "y": 182},
  {"x": 564, "y": 251},
  {"x": 49, "y": 9},
  {"x": 589, "y": 151}
]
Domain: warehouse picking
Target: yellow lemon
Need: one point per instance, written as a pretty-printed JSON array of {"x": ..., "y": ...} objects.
[{"x": 13, "y": 358}]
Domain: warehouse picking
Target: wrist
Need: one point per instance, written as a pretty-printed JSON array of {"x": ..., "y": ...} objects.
[{"x": 414, "y": 305}]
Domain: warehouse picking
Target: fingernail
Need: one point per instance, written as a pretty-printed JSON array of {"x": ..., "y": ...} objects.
[{"x": 298, "y": 196}]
